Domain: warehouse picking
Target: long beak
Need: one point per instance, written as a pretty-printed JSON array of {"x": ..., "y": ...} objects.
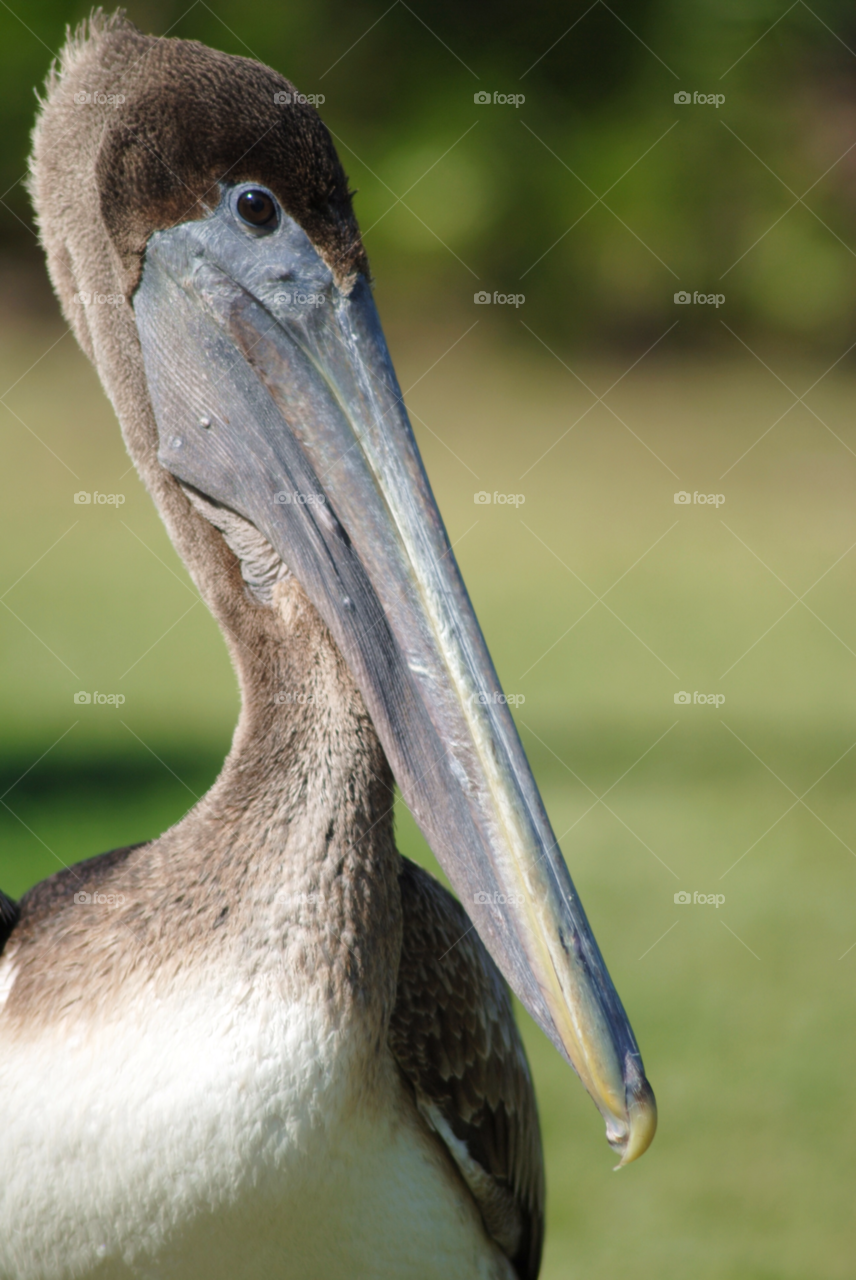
[{"x": 275, "y": 395}]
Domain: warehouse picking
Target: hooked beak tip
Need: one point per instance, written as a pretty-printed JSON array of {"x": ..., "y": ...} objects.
[{"x": 642, "y": 1121}]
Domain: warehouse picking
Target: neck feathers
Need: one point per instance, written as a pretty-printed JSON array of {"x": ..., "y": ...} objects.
[
  {"x": 285, "y": 874},
  {"x": 297, "y": 832}
]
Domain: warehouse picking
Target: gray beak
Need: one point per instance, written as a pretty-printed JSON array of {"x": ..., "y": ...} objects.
[{"x": 275, "y": 395}]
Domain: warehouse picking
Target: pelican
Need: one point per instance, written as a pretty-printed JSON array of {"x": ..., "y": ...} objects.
[{"x": 265, "y": 1044}]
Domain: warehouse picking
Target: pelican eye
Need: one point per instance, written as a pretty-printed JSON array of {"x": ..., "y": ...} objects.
[{"x": 258, "y": 209}]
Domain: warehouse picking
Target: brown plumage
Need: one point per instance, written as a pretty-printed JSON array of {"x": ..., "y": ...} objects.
[
  {"x": 302, "y": 813},
  {"x": 453, "y": 1035}
]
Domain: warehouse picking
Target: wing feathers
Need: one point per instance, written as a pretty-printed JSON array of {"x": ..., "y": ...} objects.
[{"x": 454, "y": 1037}]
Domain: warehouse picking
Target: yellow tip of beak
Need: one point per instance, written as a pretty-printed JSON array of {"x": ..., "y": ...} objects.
[{"x": 642, "y": 1117}]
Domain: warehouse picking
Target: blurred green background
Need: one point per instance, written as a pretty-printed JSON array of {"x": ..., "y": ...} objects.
[{"x": 597, "y": 399}]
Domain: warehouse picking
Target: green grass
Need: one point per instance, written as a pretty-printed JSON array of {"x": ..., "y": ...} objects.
[{"x": 744, "y": 1013}]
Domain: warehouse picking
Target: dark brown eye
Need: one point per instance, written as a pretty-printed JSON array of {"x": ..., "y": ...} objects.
[{"x": 257, "y": 208}]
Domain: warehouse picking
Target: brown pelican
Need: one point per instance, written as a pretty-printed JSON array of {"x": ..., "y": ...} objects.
[{"x": 280, "y": 1049}]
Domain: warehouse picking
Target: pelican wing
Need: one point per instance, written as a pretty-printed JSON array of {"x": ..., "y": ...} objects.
[{"x": 454, "y": 1037}]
